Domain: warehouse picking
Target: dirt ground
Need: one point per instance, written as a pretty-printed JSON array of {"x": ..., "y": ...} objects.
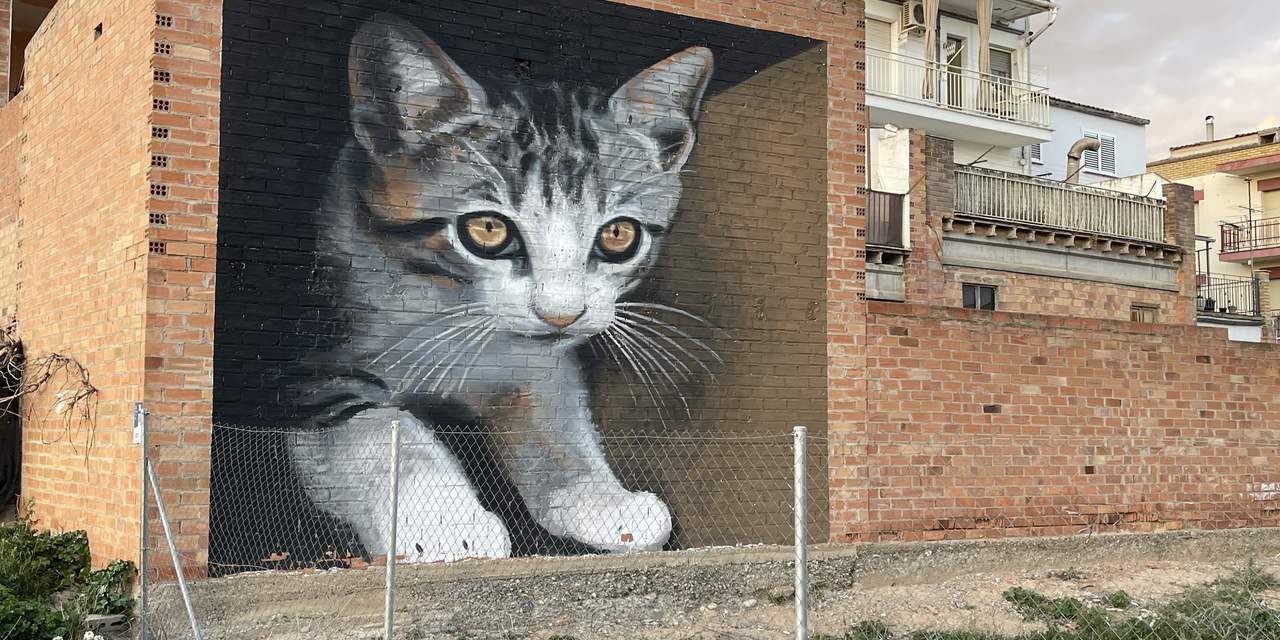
[{"x": 725, "y": 593}]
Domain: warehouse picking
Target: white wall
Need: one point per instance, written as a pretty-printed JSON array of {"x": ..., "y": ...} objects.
[
  {"x": 1237, "y": 333},
  {"x": 1001, "y": 158},
  {"x": 1069, "y": 126}
]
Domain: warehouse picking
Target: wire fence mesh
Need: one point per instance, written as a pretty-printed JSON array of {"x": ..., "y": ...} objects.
[
  {"x": 311, "y": 501},
  {"x": 685, "y": 534}
]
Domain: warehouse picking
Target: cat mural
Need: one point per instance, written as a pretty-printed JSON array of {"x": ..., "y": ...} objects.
[{"x": 513, "y": 221}]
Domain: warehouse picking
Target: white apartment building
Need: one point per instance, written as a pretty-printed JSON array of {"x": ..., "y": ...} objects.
[
  {"x": 1122, "y": 142},
  {"x": 960, "y": 69}
]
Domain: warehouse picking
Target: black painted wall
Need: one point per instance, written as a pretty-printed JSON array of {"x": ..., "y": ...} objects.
[{"x": 747, "y": 250}]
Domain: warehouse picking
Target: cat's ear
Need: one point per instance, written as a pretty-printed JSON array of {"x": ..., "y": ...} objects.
[
  {"x": 662, "y": 101},
  {"x": 404, "y": 88}
]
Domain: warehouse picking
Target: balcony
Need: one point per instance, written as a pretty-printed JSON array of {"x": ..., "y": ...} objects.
[
  {"x": 1246, "y": 240},
  {"x": 1225, "y": 295},
  {"x": 961, "y": 104},
  {"x": 884, "y": 219},
  {"x": 1058, "y": 206},
  {"x": 1010, "y": 222}
]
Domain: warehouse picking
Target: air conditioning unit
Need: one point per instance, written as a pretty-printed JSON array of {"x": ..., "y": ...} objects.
[{"x": 912, "y": 17}]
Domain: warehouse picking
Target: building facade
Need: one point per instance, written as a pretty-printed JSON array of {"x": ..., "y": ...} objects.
[
  {"x": 1122, "y": 139},
  {"x": 1237, "y": 186},
  {"x": 430, "y": 214}
]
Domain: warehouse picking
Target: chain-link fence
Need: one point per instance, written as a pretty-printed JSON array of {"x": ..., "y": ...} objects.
[
  {"x": 641, "y": 534},
  {"x": 319, "y": 500}
]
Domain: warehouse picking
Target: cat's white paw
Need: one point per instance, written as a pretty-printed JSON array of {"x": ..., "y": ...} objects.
[
  {"x": 451, "y": 536},
  {"x": 617, "y": 521}
]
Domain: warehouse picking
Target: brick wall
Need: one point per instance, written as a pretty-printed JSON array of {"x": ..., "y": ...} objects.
[
  {"x": 6, "y": 41},
  {"x": 10, "y": 154},
  {"x": 1043, "y": 295},
  {"x": 77, "y": 225},
  {"x": 1207, "y": 163},
  {"x": 182, "y": 211},
  {"x": 996, "y": 424},
  {"x": 928, "y": 282}
]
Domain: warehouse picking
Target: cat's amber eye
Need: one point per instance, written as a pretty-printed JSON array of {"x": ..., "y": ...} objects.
[
  {"x": 485, "y": 234},
  {"x": 619, "y": 239}
]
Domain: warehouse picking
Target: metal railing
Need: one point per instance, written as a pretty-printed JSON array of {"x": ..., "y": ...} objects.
[
  {"x": 1245, "y": 235},
  {"x": 1057, "y": 205},
  {"x": 1228, "y": 295},
  {"x": 966, "y": 90},
  {"x": 884, "y": 218}
]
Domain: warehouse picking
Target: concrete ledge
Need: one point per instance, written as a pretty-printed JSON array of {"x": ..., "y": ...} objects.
[{"x": 1017, "y": 256}]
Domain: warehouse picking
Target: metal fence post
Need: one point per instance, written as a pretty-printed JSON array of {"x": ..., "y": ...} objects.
[
  {"x": 389, "y": 614},
  {"x": 802, "y": 552},
  {"x": 140, "y": 438},
  {"x": 173, "y": 553}
]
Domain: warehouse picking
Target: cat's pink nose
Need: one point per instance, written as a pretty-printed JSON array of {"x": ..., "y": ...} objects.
[{"x": 561, "y": 321}]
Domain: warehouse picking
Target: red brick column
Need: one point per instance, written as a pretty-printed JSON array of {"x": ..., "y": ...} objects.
[
  {"x": 1179, "y": 229},
  {"x": 932, "y": 194},
  {"x": 182, "y": 236}
]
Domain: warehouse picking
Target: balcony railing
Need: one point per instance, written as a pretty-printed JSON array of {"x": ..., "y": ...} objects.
[
  {"x": 965, "y": 90},
  {"x": 1248, "y": 235},
  {"x": 1228, "y": 295},
  {"x": 884, "y": 219},
  {"x": 1056, "y": 205}
]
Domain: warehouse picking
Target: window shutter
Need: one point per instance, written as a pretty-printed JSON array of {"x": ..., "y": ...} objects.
[
  {"x": 1001, "y": 63},
  {"x": 1104, "y": 159},
  {"x": 1090, "y": 158},
  {"x": 1035, "y": 153},
  {"x": 879, "y": 35},
  {"x": 1108, "y": 153}
]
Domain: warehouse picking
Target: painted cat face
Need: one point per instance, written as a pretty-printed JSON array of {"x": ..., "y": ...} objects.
[{"x": 542, "y": 205}]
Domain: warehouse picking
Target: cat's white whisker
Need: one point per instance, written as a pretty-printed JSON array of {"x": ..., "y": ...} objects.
[
  {"x": 662, "y": 307},
  {"x": 676, "y": 330},
  {"x": 466, "y": 373},
  {"x": 608, "y": 348},
  {"x": 682, "y": 369},
  {"x": 453, "y": 312},
  {"x": 641, "y": 351},
  {"x": 648, "y": 383},
  {"x": 439, "y": 341},
  {"x": 455, "y": 353}
]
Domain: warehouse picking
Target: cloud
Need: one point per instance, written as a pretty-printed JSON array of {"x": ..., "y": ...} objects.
[{"x": 1171, "y": 61}]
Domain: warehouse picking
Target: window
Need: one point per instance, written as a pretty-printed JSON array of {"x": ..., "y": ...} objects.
[
  {"x": 1103, "y": 160},
  {"x": 1002, "y": 63},
  {"x": 1036, "y": 156},
  {"x": 1144, "y": 313},
  {"x": 879, "y": 35},
  {"x": 979, "y": 296}
]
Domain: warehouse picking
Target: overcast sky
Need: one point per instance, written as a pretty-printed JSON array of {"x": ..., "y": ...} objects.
[{"x": 1170, "y": 61}]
